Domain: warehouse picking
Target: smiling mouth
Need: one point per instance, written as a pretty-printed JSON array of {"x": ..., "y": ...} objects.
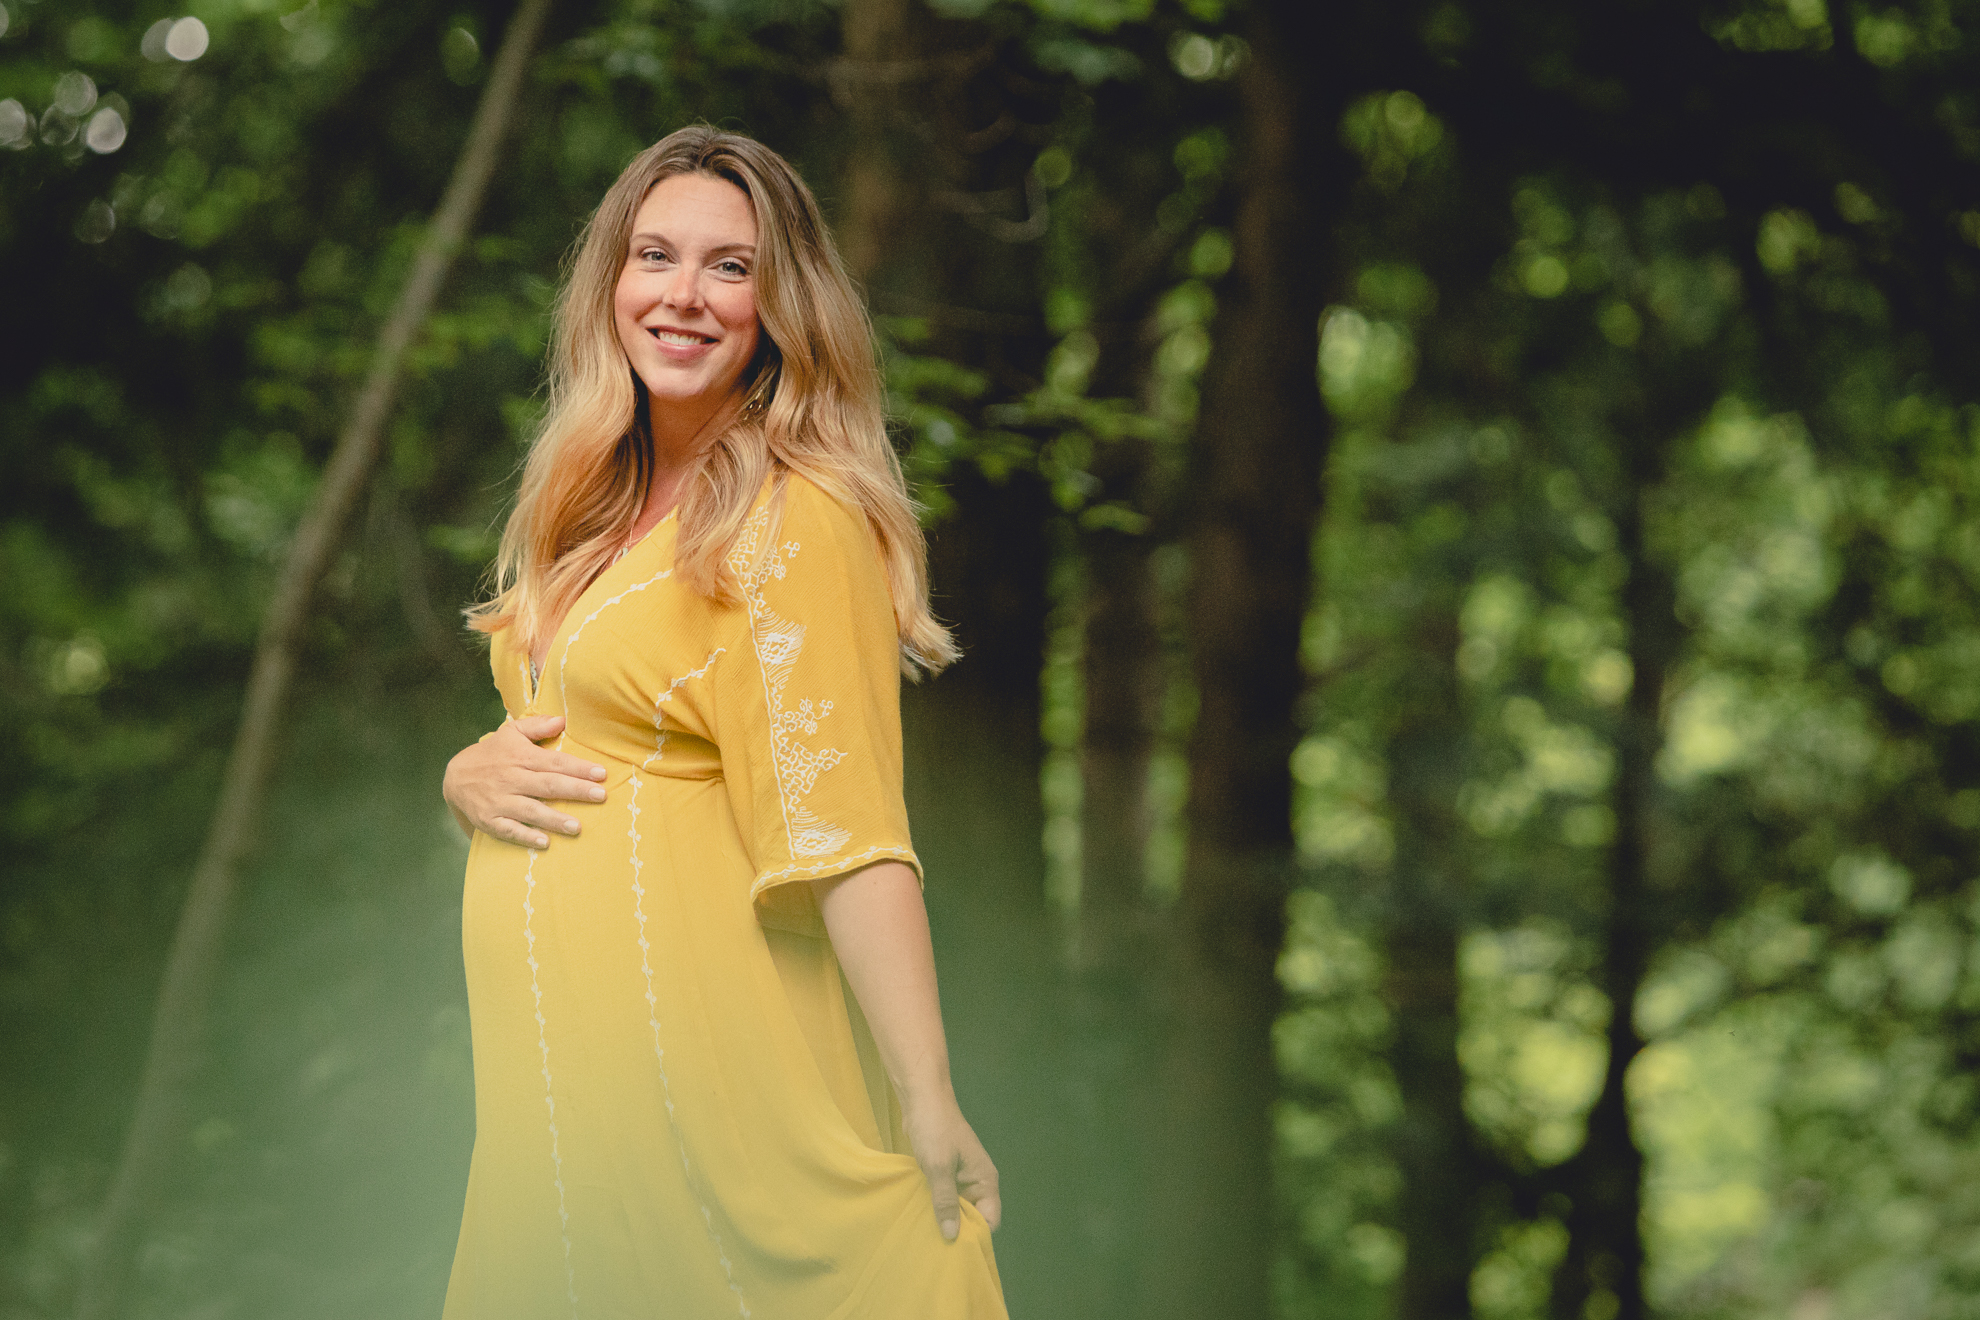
[{"x": 682, "y": 338}]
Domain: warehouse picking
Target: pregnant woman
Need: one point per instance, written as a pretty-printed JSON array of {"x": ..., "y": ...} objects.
[{"x": 710, "y": 1073}]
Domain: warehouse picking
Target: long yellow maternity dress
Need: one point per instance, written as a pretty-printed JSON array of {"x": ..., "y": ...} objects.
[{"x": 679, "y": 1111}]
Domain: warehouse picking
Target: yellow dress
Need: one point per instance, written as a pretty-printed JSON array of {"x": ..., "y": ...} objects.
[{"x": 679, "y": 1112}]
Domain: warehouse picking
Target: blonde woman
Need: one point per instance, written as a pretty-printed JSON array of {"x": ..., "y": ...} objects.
[{"x": 689, "y": 837}]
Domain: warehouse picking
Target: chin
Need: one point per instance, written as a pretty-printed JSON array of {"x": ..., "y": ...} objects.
[{"x": 679, "y": 392}]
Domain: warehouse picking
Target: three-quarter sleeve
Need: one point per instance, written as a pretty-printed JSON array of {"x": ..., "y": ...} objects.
[{"x": 809, "y": 723}]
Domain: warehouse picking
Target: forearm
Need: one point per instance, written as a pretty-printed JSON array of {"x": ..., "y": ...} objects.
[{"x": 879, "y": 931}]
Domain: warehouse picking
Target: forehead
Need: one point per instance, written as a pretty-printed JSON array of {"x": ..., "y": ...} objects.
[{"x": 698, "y": 208}]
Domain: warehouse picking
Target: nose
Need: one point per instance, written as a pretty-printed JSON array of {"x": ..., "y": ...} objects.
[{"x": 682, "y": 289}]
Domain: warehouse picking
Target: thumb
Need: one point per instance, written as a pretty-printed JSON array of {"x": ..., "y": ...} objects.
[{"x": 942, "y": 1189}]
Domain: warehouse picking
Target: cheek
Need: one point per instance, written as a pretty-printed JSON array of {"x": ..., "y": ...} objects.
[
  {"x": 627, "y": 307},
  {"x": 738, "y": 312},
  {"x": 625, "y": 302}
]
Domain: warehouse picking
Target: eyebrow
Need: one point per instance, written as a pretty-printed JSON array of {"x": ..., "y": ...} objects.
[{"x": 719, "y": 250}]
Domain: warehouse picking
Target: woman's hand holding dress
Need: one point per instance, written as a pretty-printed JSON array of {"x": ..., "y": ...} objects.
[
  {"x": 879, "y": 929},
  {"x": 504, "y": 784},
  {"x": 952, "y": 1158}
]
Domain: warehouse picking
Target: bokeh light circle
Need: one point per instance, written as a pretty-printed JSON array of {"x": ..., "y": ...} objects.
[
  {"x": 97, "y": 222},
  {"x": 75, "y": 93},
  {"x": 187, "y": 40},
  {"x": 106, "y": 131},
  {"x": 152, "y": 47}
]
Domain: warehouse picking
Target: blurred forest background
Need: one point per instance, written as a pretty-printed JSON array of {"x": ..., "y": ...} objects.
[{"x": 1463, "y": 795}]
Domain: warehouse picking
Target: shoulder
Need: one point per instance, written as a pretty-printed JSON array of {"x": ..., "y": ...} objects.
[{"x": 815, "y": 518}]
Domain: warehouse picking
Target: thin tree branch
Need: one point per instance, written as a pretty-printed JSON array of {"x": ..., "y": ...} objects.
[{"x": 192, "y": 965}]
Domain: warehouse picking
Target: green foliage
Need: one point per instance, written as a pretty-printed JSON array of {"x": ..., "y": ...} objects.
[
  {"x": 1814, "y": 748},
  {"x": 1594, "y": 326}
]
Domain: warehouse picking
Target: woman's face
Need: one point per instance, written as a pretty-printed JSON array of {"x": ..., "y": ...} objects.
[{"x": 685, "y": 306}]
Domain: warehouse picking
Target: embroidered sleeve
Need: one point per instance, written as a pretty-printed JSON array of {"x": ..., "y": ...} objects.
[{"x": 810, "y": 726}]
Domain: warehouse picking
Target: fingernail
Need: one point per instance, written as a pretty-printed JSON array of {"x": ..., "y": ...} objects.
[
  {"x": 570, "y": 827},
  {"x": 597, "y": 772},
  {"x": 597, "y": 795},
  {"x": 542, "y": 841},
  {"x": 949, "y": 1229}
]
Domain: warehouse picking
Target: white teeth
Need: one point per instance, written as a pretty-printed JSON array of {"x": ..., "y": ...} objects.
[{"x": 678, "y": 337}]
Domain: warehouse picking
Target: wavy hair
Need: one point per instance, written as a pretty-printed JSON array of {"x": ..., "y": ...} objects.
[{"x": 813, "y": 404}]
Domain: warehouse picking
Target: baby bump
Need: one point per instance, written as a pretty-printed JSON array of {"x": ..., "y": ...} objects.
[
  {"x": 683, "y": 826},
  {"x": 584, "y": 979},
  {"x": 654, "y": 887}
]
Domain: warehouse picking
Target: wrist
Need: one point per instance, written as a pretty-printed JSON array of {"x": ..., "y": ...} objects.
[{"x": 930, "y": 1090}]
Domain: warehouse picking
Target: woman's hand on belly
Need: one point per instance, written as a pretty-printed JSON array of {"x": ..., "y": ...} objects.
[{"x": 504, "y": 784}]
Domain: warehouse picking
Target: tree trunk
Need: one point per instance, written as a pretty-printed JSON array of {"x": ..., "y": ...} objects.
[
  {"x": 1602, "y": 1273},
  {"x": 987, "y": 562},
  {"x": 1425, "y": 913},
  {"x": 1256, "y": 490},
  {"x": 1114, "y": 1050},
  {"x": 192, "y": 964},
  {"x": 874, "y": 38},
  {"x": 1124, "y": 683}
]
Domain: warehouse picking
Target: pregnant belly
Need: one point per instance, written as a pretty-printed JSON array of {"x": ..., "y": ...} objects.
[{"x": 660, "y": 859}]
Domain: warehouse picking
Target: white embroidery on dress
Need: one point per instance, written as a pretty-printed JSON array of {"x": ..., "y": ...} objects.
[
  {"x": 848, "y": 863},
  {"x": 778, "y": 642},
  {"x": 549, "y": 1092},
  {"x": 660, "y": 702},
  {"x": 564, "y": 660},
  {"x": 646, "y": 966}
]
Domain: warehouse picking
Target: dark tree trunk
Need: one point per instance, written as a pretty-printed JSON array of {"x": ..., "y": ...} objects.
[
  {"x": 875, "y": 39},
  {"x": 1255, "y": 494},
  {"x": 1605, "y": 1257},
  {"x": 901, "y": 82},
  {"x": 1426, "y": 911},
  {"x": 1124, "y": 673},
  {"x": 1439, "y": 1199},
  {"x": 1114, "y": 1048}
]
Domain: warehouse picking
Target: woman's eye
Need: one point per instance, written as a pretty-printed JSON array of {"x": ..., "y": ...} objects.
[{"x": 735, "y": 268}]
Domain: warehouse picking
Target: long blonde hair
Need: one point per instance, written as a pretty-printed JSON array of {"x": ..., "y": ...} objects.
[{"x": 814, "y": 405}]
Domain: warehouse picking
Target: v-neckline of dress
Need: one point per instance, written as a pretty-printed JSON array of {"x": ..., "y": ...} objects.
[{"x": 532, "y": 676}]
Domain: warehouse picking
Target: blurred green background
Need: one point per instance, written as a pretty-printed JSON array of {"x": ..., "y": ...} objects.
[{"x": 1464, "y": 517}]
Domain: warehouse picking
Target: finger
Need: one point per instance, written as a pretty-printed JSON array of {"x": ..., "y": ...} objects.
[
  {"x": 942, "y": 1189},
  {"x": 538, "y": 727},
  {"x": 531, "y": 811},
  {"x": 562, "y": 763},
  {"x": 511, "y": 831},
  {"x": 554, "y": 788}
]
